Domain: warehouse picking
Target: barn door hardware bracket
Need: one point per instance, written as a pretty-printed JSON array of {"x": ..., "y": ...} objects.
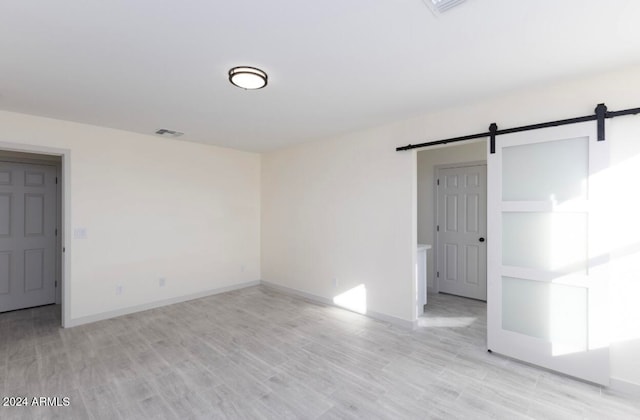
[
  {"x": 493, "y": 129},
  {"x": 601, "y": 114}
]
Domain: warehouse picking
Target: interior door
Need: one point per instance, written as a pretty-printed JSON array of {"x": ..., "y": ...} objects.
[
  {"x": 547, "y": 250},
  {"x": 27, "y": 235},
  {"x": 461, "y": 230}
]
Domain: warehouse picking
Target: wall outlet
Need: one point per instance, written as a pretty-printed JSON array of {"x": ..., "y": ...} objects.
[
  {"x": 119, "y": 290},
  {"x": 335, "y": 282},
  {"x": 162, "y": 281}
]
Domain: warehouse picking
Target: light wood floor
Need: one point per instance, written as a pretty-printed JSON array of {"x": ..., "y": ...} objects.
[{"x": 256, "y": 353}]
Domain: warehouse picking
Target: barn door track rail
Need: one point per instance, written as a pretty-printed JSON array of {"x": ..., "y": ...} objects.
[{"x": 600, "y": 114}]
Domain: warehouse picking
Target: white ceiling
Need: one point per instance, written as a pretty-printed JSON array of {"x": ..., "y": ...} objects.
[{"x": 334, "y": 66}]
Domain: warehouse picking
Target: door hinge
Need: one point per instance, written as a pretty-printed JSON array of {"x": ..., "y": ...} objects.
[
  {"x": 56, "y": 231},
  {"x": 56, "y": 180},
  {"x": 438, "y": 228},
  {"x": 438, "y": 181},
  {"x": 437, "y": 274},
  {"x": 56, "y": 283},
  {"x": 64, "y": 249}
]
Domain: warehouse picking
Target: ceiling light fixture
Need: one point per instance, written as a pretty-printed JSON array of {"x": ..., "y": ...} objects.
[{"x": 249, "y": 78}]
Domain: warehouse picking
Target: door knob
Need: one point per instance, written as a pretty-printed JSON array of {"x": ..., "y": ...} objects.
[{"x": 481, "y": 239}]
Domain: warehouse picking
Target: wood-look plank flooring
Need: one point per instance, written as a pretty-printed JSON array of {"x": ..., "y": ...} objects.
[{"x": 256, "y": 353}]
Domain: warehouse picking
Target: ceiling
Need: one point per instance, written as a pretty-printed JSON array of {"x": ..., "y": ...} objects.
[{"x": 334, "y": 66}]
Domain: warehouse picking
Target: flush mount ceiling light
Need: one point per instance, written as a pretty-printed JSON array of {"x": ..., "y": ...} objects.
[
  {"x": 439, "y": 6},
  {"x": 249, "y": 78}
]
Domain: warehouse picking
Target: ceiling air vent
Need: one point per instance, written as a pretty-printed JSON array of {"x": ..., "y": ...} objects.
[
  {"x": 168, "y": 133},
  {"x": 440, "y": 6}
]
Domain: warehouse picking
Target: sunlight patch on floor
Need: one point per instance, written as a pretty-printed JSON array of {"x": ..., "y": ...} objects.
[{"x": 353, "y": 299}]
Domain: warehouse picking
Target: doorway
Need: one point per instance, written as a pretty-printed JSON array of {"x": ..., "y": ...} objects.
[
  {"x": 31, "y": 231},
  {"x": 445, "y": 310},
  {"x": 429, "y": 161}
]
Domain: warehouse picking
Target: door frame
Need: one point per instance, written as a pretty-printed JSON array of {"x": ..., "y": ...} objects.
[
  {"x": 437, "y": 169},
  {"x": 64, "y": 218}
]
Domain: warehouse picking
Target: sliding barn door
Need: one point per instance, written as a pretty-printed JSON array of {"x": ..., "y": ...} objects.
[{"x": 547, "y": 264}]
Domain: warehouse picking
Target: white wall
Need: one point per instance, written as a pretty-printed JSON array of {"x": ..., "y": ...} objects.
[
  {"x": 343, "y": 207},
  {"x": 152, "y": 208},
  {"x": 428, "y": 160}
]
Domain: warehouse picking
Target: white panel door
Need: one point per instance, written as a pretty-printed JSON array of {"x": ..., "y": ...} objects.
[
  {"x": 547, "y": 282},
  {"x": 27, "y": 235},
  {"x": 461, "y": 229}
]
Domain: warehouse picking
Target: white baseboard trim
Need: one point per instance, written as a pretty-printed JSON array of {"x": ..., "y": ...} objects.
[
  {"x": 624, "y": 387},
  {"x": 298, "y": 293},
  {"x": 74, "y": 322},
  {"x": 399, "y": 322}
]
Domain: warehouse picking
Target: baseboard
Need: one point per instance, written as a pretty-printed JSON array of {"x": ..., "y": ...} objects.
[
  {"x": 399, "y": 322},
  {"x": 624, "y": 387},
  {"x": 151, "y": 305},
  {"x": 296, "y": 292}
]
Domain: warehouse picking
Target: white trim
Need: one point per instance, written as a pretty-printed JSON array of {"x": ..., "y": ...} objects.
[
  {"x": 399, "y": 322},
  {"x": 415, "y": 312},
  {"x": 59, "y": 227},
  {"x": 151, "y": 305},
  {"x": 65, "y": 206},
  {"x": 441, "y": 166},
  {"x": 624, "y": 387},
  {"x": 66, "y": 233},
  {"x": 298, "y": 293}
]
